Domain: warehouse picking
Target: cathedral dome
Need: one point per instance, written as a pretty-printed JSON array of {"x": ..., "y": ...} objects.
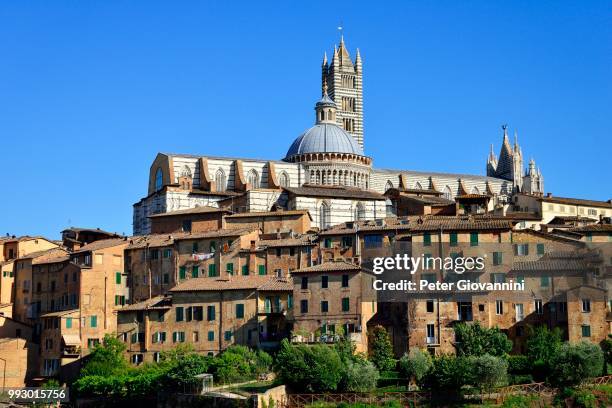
[{"x": 324, "y": 138}]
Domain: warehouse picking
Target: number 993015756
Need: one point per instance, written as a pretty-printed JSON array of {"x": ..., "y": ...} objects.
[{"x": 34, "y": 394}]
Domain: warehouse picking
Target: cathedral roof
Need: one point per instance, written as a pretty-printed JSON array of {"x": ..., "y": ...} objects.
[{"x": 324, "y": 138}]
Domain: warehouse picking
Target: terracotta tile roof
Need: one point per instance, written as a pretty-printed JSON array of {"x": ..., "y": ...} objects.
[
  {"x": 593, "y": 228},
  {"x": 269, "y": 214},
  {"x": 60, "y": 313},
  {"x": 195, "y": 210},
  {"x": 152, "y": 240},
  {"x": 548, "y": 235},
  {"x": 45, "y": 255},
  {"x": 429, "y": 200},
  {"x": 96, "y": 230},
  {"x": 251, "y": 282},
  {"x": 519, "y": 216},
  {"x": 276, "y": 285},
  {"x": 472, "y": 196},
  {"x": 331, "y": 266},
  {"x": 157, "y": 302},
  {"x": 213, "y": 234},
  {"x": 305, "y": 240},
  {"x": 389, "y": 224},
  {"x": 576, "y": 201},
  {"x": 461, "y": 224},
  {"x": 571, "y": 218},
  {"x": 102, "y": 244},
  {"x": 335, "y": 192},
  {"x": 561, "y": 261}
]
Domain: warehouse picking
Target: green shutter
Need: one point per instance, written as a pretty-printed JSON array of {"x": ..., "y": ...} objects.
[
  {"x": 211, "y": 336},
  {"x": 544, "y": 281},
  {"x": 245, "y": 269},
  {"x": 182, "y": 272},
  {"x": 212, "y": 270},
  {"x": 345, "y": 304},
  {"x": 69, "y": 322},
  {"x": 240, "y": 311},
  {"x": 540, "y": 248},
  {"x": 230, "y": 268},
  {"x": 94, "y": 321},
  {"x": 473, "y": 238},
  {"x": 290, "y": 301},
  {"x": 228, "y": 335},
  {"x": 194, "y": 271},
  {"x": 426, "y": 239},
  {"x": 262, "y": 269},
  {"x": 453, "y": 239},
  {"x": 118, "y": 278}
]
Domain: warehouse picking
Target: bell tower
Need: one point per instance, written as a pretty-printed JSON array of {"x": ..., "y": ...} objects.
[{"x": 343, "y": 79}]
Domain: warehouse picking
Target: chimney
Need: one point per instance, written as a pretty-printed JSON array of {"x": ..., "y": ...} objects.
[{"x": 549, "y": 195}]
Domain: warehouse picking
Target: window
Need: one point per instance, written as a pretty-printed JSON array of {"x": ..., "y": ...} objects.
[
  {"x": 453, "y": 239},
  {"x": 210, "y": 313},
  {"x": 253, "y": 179},
  {"x": 324, "y": 306},
  {"x": 497, "y": 258},
  {"x": 359, "y": 212},
  {"x": 194, "y": 247},
  {"x": 195, "y": 271},
  {"x": 324, "y": 216},
  {"x": 283, "y": 179},
  {"x": 429, "y": 277},
  {"x": 166, "y": 278},
  {"x": 521, "y": 249},
  {"x": 586, "y": 330},
  {"x": 303, "y": 306},
  {"x": 431, "y": 333},
  {"x": 220, "y": 183},
  {"x": 262, "y": 269},
  {"x": 327, "y": 243},
  {"x": 69, "y": 322},
  {"x": 539, "y": 309},
  {"x": 198, "y": 313},
  {"x": 345, "y": 304},
  {"x": 324, "y": 281},
  {"x": 245, "y": 270},
  {"x": 347, "y": 242},
  {"x": 180, "y": 313},
  {"x": 372, "y": 241},
  {"x": 195, "y": 337},
  {"x": 499, "y": 307},
  {"x": 178, "y": 337},
  {"x": 345, "y": 281},
  {"x": 229, "y": 267},
  {"x": 520, "y": 279},
  {"x": 304, "y": 282},
  {"x": 540, "y": 249},
  {"x": 544, "y": 281},
  {"x": 473, "y": 239},
  {"x": 289, "y": 301},
  {"x": 239, "y": 311},
  {"x": 182, "y": 272},
  {"x": 427, "y": 239},
  {"x": 228, "y": 335},
  {"x": 212, "y": 270},
  {"x": 586, "y": 305},
  {"x": 186, "y": 226},
  {"x": 211, "y": 335},
  {"x": 159, "y": 180},
  {"x": 188, "y": 314},
  {"x": 429, "y": 306},
  {"x": 498, "y": 278},
  {"x": 93, "y": 321}
]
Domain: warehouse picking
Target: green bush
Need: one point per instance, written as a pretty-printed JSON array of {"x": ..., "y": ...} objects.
[
  {"x": 449, "y": 374},
  {"x": 106, "y": 359},
  {"x": 520, "y": 378},
  {"x": 475, "y": 340},
  {"x": 360, "y": 376},
  {"x": 488, "y": 371},
  {"x": 239, "y": 363},
  {"x": 316, "y": 368},
  {"x": 415, "y": 365},
  {"x": 576, "y": 362},
  {"x": 519, "y": 364}
]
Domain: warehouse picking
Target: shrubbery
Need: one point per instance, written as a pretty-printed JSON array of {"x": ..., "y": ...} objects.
[
  {"x": 415, "y": 365},
  {"x": 574, "y": 363},
  {"x": 382, "y": 349},
  {"x": 476, "y": 340}
]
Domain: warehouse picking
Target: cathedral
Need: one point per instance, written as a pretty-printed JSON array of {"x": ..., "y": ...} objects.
[{"x": 325, "y": 170}]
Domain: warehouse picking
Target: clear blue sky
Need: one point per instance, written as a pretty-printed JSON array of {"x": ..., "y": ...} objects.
[{"x": 90, "y": 91}]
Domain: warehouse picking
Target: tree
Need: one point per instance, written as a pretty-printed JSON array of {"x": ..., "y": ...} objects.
[
  {"x": 316, "y": 368},
  {"x": 606, "y": 347},
  {"x": 475, "y": 340},
  {"x": 360, "y": 376},
  {"x": 574, "y": 363},
  {"x": 542, "y": 343},
  {"x": 489, "y": 371},
  {"x": 239, "y": 363},
  {"x": 415, "y": 365},
  {"x": 381, "y": 350},
  {"x": 449, "y": 374},
  {"x": 106, "y": 359}
]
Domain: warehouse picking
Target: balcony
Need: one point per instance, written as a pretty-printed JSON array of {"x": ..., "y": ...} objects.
[{"x": 274, "y": 309}]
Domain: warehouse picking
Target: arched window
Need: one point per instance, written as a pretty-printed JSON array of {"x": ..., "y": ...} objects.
[
  {"x": 159, "y": 179},
  {"x": 359, "y": 212},
  {"x": 475, "y": 190},
  {"x": 253, "y": 179},
  {"x": 324, "y": 216},
  {"x": 220, "y": 181},
  {"x": 388, "y": 185},
  {"x": 185, "y": 171},
  {"x": 283, "y": 179},
  {"x": 418, "y": 186},
  {"x": 448, "y": 194}
]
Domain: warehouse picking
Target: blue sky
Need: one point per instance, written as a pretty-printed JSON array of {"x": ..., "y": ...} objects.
[{"x": 90, "y": 91}]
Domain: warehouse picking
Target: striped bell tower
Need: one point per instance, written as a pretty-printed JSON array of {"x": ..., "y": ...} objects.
[{"x": 344, "y": 81}]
